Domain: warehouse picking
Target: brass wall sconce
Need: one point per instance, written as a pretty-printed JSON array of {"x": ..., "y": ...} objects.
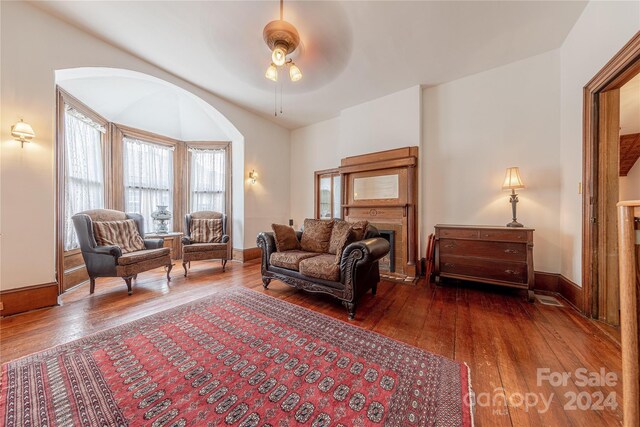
[
  {"x": 22, "y": 132},
  {"x": 253, "y": 176}
]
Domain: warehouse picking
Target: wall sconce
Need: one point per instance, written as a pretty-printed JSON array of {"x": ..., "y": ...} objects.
[
  {"x": 22, "y": 132},
  {"x": 253, "y": 176}
]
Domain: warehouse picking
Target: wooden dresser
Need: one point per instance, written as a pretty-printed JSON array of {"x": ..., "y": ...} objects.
[{"x": 496, "y": 255}]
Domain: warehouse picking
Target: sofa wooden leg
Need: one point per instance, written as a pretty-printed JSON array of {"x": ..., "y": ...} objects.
[
  {"x": 92, "y": 284},
  {"x": 169, "y": 267},
  {"x": 265, "y": 282},
  {"x": 184, "y": 265},
  {"x": 351, "y": 307},
  {"x": 224, "y": 264},
  {"x": 128, "y": 282},
  {"x": 374, "y": 289},
  {"x": 135, "y": 277}
]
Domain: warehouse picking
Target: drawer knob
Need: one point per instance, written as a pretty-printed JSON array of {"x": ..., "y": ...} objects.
[
  {"x": 450, "y": 245},
  {"x": 511, "y": 272},
  {"x": 448, "y": 264},
  {"x": 511, "y": 251}
]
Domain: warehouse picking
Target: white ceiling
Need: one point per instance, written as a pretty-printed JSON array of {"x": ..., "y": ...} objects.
[
  {"x": 144, "y": 102},
  {"x": 630, "y": 107},
  {"x": 352, "y": 51}
]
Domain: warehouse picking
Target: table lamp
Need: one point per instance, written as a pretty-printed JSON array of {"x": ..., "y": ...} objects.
[{"x": 512, "y": 181}]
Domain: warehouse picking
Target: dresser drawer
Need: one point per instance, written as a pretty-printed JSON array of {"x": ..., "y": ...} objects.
[
  {"x": 477, "y": 248},
  {"x": 504, "y": 235},
  {"x": 478, "y": 268},
  {"x": 459, "y": 233}
]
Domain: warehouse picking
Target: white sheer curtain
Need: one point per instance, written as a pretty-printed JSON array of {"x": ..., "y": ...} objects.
[
  {"x": 208, "y": 173},
  {"x": 148, "y": 179},
  {"x": 84, "y": 170}
]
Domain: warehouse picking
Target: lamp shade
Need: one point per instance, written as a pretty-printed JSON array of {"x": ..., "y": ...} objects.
[
  {"x": 22, "y": 131},
  {"x": 272, "y": 73},
  {"x": 512, "y": 179},
  {"x": 294, "y": 73}
]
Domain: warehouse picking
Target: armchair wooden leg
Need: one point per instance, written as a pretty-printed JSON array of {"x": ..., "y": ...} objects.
[
  {"x": 184, "y": 265},
  {"x": 128, "y": 282},
  {"x": 135, "y": 277},
  {"x": 169, "y": 267},
  {"x": 92, "y": 284},
  {"x": 265, "y": 282},
  {"x": 224, "y": 263},
  {"x": 374, "y": 289}
]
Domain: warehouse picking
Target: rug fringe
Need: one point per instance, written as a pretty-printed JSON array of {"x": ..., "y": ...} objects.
[{"x": 472, "y": 396}]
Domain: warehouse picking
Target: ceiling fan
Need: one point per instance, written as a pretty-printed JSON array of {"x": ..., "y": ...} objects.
[{"x": 282, "y": 38}]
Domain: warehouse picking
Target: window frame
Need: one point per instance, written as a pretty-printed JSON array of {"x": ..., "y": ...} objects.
[
  {"x": 228, "y": 203},
  {"x": 68, "y": 258},
  {"x": 317, "y": 175},
  {"x": 226, "y": 146},
  {"x": 121, "y": 132}
]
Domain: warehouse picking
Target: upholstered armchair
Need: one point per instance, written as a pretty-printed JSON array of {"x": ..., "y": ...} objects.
[
  {"x": 198, "y": 249},
  {"x": 110, "y": 261}
]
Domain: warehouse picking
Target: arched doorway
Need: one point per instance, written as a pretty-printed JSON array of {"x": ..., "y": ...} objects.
[{"x": 126, "y": 104}]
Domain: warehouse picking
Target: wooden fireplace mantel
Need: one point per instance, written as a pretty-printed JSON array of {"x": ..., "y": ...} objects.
[{"x": 398, "y": 211}]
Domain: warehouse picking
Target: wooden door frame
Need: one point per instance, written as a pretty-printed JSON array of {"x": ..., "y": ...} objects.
[{"x": 618, "y": 71}]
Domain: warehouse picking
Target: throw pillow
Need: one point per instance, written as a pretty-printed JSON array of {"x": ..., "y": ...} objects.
[
  {"x": 206, "y": 230},
  {"x": 285, "y": 236},
  {"x": 339, "y": 233},
  {"x": 346, "y": 241},
  {"x": 359, "y": 229},
  {"x": 123, "y": 234},
  {"x": 316, "y": 235}
]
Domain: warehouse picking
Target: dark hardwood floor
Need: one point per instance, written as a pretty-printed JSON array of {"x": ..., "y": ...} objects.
[{"x": 502, "y": 338}]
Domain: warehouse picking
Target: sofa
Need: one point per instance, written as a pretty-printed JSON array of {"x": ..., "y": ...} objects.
[{"x": 346, "y": 274}]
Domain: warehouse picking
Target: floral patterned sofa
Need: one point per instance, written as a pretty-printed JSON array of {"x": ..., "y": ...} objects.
[{"x": 333, "y": 257}]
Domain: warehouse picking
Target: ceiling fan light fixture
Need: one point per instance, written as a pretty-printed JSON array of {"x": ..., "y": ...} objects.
[
  {"x": 294, "y": 72},
  {"x": 279, "y": 55},
  {"x": 282, "y": 39},
  {"x": 272, "y": 73}
]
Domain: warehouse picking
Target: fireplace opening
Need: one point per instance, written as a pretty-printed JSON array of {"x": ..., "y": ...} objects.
[{"x": 388, "y": 262}]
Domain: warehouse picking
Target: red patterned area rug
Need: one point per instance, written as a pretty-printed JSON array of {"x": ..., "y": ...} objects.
[{"x": 236, "y": 358}]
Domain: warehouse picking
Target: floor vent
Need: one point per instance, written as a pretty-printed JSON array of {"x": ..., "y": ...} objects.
[{"x": 549, "y": 300}]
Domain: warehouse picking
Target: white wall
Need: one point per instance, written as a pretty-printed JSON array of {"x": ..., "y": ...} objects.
[
  {"x": 469, "y": 131},
  {"x": 630, "y": 184},
  {"x": 27, "y": 175},
  {"x": 526, "y": 114},
  {"x": 393, "y": 121},
  {"x": 313, "y": 148},
  {"x": 601, "y": 31},
  {"x": 476, "y": 127}
]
